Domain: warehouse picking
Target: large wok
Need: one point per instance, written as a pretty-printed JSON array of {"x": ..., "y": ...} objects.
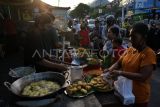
[{"x": 17, "y": 86}]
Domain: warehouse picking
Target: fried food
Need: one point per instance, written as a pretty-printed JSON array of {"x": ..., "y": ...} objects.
[
  {"x": 100, "y": 84},
  {"x": 40, "y": 88},
  {"x": 83, "y": 91},
  {"x": 80, "y": 88}
]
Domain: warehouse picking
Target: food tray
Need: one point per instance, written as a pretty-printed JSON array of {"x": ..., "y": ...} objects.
[{"x": 78, "y": 96}]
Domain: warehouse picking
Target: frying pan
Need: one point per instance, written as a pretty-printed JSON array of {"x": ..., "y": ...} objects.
[{"x": 17, "y": 86}]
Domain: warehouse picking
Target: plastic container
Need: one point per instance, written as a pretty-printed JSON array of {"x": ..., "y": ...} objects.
[{"x": 76, "y": 73}]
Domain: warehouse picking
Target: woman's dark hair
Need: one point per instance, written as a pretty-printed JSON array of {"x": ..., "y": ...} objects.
[
  {"x": 141, "y": 29},
  {"x": 110, "y": 20},
  {"x": 115, "y": 30}
]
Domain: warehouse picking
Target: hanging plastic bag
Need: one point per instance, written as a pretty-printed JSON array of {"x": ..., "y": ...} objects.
[{"x": 123, "y": 86}]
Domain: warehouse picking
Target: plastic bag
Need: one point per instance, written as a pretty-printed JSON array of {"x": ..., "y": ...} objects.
[{"x": 124, "y": 87}]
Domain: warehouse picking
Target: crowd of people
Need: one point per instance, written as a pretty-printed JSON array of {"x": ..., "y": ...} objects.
[
  {"x": 106, "y": 32},
  {"x": 136, "y": 61}
]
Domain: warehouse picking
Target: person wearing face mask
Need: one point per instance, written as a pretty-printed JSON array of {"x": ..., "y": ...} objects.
[
  {"x": 40, "y": 45},
  {"x": 137, "y": 63}
]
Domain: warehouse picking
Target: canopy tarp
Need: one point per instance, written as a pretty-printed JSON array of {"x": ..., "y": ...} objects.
[{"x": 15, "y": 2}]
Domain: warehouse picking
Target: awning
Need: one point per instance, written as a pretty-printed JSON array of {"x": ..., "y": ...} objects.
[
  {"x": 15, "y": 2},
  {"x": 151, "y": 8}
]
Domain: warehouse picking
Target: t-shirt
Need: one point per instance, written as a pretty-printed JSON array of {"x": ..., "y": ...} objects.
[
  {"x": 108, "y": 47},
  {"x": 84, "y": 35},
  {"x": 39, "y": 44},
  {"x": 133, "y": 61}
]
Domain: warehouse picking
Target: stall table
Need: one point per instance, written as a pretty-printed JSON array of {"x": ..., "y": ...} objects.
[
  {"x": 93, "y": 100},
  {"x": 97, "y": 99}
]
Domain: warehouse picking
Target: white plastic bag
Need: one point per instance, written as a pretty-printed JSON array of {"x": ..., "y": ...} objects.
[{"x": 124, "y": 87}]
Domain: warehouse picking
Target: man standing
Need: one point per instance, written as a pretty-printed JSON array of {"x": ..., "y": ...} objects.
[{"x": 40, "y": 44}]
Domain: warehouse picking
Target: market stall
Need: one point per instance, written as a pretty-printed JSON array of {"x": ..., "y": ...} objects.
[
  {"x": 62, "y": 99},
  {"x": 89, "y": 93}
]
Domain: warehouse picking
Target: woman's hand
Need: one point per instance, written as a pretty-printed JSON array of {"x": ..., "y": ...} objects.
[
  {"x": 107, "y": 70},
  {"x": 113, "y": 67},
  {"x": 116, "y": 72}
]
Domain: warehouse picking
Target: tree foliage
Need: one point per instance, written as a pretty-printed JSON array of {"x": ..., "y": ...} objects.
[
  {"x": 80, "y": 11},
  {"x": 83, "y": 9}
]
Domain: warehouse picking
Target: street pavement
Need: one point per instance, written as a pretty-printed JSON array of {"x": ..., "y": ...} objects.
[{"x": 155, "y": 89}]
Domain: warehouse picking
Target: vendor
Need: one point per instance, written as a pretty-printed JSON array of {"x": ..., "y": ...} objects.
[
  {"x": 137, "y": 64},
  {"x": 41, "y": 43}
]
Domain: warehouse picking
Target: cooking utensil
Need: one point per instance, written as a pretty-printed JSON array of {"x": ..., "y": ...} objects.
[
  {"x": 13, "y": 73},
  {"x": 21, "y": 71},
  {"x": 77, "y": 72},
  {"x": 17, "y": 86},
  {"x": 75, "y": 61}
]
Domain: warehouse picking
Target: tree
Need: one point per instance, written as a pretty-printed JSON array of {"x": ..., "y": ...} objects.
[
  {"x": 109, "y": 8},
  {"x": 80, "y": 11}
]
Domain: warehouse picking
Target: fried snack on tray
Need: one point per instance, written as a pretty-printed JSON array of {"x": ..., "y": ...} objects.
[
  {"x": 100, "y": 85},
  {"x": 78, "y": 88}
]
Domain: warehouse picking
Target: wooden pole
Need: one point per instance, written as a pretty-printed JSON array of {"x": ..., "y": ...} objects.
[{"x": 58, "y": 2}]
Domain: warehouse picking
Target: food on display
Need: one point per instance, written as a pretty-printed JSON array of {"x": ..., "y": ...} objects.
[
  {"x": 82, "y": 53},
  {"x": 79, "y": 88},
  {"x": 100, "y": 84},
  {"x": 93, "y": 61}
]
